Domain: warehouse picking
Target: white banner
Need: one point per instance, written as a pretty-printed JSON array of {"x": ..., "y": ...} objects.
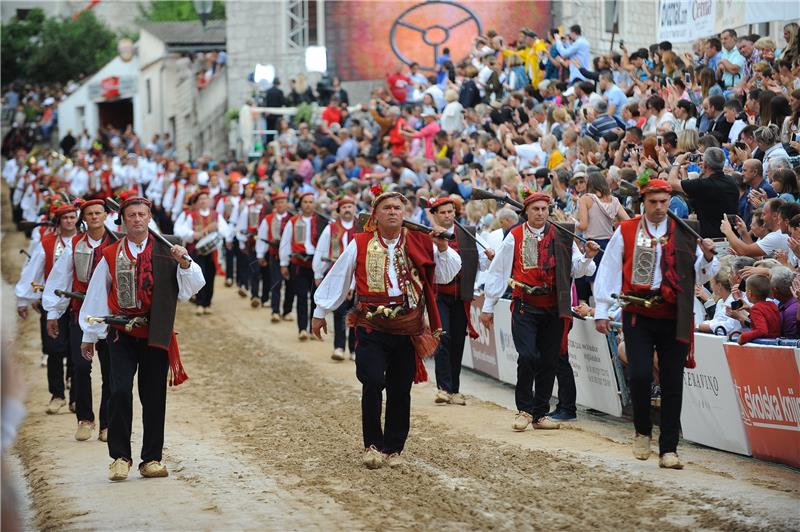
[
  {"x": 590, "y": 359},
  {"x": 710, "y": 413},
  {"x": 506, "y": 352},
  {"x": 685, "y": 20}
]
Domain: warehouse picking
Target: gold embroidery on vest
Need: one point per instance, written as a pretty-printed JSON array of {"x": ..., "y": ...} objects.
[
  {"x": 125, "y": 276},
  {"x": 376, "y": 266},
  {"x": 82, "y": 260},
  {"x": 300, "y": 231},
  {"x": 530, "y": 249}
]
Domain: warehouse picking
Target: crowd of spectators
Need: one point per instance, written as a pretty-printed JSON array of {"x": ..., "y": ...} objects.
[{"x": 721, "y": 123}]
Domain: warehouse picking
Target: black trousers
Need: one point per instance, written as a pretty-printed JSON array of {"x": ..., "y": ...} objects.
[
  {"x": 451, "y": 344},
  {"x": 127, "y": 355},
  {"x": 265, "y": 276},
  {"x": 242, "y": 266},
  {"x": 253, "y": 273},
  {"x": 385, "y": 361},
  {"x": 206, "y": 263},
  {"x": 302, "y": 281},
  {"x": 537, "y": 338},
  {"x": 278, "y": 283},
  {"x": 57, "y": 349},
  {"x": 342, "y": 334},
  {"x": 230, "y": 261},
  {"x": 643, "y": 336},
  {"x": 567, "y": 392},
  {"x": 82, "y": 377}
]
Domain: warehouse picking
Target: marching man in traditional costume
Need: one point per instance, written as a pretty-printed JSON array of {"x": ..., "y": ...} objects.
[
  {"x": 251, "y": 213},
  {"x": 332, "y": 242},
  {"x": 395, "y": 270},
  {"x": 204, "y": 229},
  {"x": 29, "y": 290},
  {"x": 298, "y": 243},
  {"x": 267, "y": 246},
  {"x": 539, "y": 261},
  {"x": 651, "y": 266},
  {"x": 454, "y": 300},
  {"x": 135, "y": 288},
  {"x": 63, "y": 296}
]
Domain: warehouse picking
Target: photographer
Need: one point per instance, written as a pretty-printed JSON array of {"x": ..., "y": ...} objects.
[{"x": 713, "y": 195}]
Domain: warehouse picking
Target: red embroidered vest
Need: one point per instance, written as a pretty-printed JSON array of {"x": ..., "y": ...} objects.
[
  {"x": 299, "y": 238},
  {"x": 628, "y": 229},
  {"x": 199, "y": 223},
  {"x": 51, "y": 243},
  {"x": 144, "y": 277},
  {"x": 275, "y": 227},
  {"x": 371, "y": 275},
  {"x": 337, "y": 239},
  {"x": 544, "y": 274},
  {"x": 97, "y": 254}
]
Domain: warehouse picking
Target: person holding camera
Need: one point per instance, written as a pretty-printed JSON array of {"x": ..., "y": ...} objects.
[{"x": 712, "y": 196}]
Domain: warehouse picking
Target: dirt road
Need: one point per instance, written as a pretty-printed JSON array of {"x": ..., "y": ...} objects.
[{"x": 266, "y": 435}]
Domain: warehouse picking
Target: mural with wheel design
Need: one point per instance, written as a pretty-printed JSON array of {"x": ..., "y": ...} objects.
[{"x": 366, "y": 40}]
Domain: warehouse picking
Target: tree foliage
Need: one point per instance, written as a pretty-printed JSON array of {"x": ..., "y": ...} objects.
[
  {"x": 52, "y": 49},
  {"x": 178, "y": 11}
]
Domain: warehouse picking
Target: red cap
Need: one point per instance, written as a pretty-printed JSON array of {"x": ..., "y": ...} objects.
[
  {"x": 304, "y": 194},
  {"x": 56, "y": 211},
  {"x": 435, "y": 203},
  {"x": 537, "y": 196},
  {"x": 275, "y": 196},
  {"x": 89, "y": 203},
  {"x": 197, "y": 195},
  {"x": 655, "y": 185},
  {"x": 132, "y": 200},
  {"x": 344, "y": 200}
]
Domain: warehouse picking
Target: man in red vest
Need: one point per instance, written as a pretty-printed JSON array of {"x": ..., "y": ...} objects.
[
  {"x": 135, "y": 282},
  {"x": 29, "y": 290},
  {"x": 539, "y": 262},
  {"x": 71, "y": 273},
  {"x": 251, "y": 213},
  {"x": 651, "y": 258},
  {"x": 267, "y": 244},
  {"x": 454, "y": 300},
  {"x": 395, "y": 270},
  {"x": 296, "y": 252},
  {"x": 332, "y": 242},
  {"x": 201, "y": 222}
]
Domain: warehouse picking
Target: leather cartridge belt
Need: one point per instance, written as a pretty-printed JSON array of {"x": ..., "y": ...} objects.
[
  {"x": 645, "y": 299},
  {"x": 538, "y": 290}
]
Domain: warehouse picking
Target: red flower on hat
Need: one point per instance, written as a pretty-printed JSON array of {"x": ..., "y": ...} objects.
[{"x": 377, "y": 189}]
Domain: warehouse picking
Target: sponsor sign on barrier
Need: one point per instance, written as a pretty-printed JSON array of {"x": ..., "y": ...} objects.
[
  {"x": 767, "y": 384},
  {"x": 710, "y": 413},
  {"x": 483, "y": 348},
  {"x": 506, "y": 352},
  {"x": 591, "y": 363}
]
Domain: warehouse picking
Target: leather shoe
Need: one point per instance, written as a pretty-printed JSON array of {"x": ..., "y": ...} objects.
[
  {"x": 255, "y": 302},
  {"x": 153, "y": 469},
  {"x": 545, "y": 423},
  {"x": 670, "y": 461},
  {"x": 458, "y": 399},
  {"x": 85, "y": 429},
  {"x": 394, "y": 460},
  {"x": 442, "y": 397},
  {"x": 242, "y": 292},
  {"x": 522, "y": 421},
  {"x": 641, "y": 446},
  {"x": 103, "y": 436},
  {"x": 118, "y": 470},
  {"x": 56, "y": 404},
  {"x": 338, "y": 354},
  {"x": 302, "y": 336},
  {"x": 275, "y": 318},
  {"x": 372, "y": 458}
]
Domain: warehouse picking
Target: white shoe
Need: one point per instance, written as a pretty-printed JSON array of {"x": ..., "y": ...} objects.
[
  {"x": 442, "y": 397},
  {"x": 338, "y": 354},
  {"x": 641, "y": 446},
  {"x": 670, "y": 461},
  {"x": 43, "y": 362},
  {"x": 353, "y": 357},
  {"x": 521, "y": 421},
  {"x": 372, "y": 458}
]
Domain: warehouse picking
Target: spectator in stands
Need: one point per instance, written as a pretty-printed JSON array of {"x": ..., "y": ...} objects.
[
  {"x": 713, "y": 195},
  {"x": 711, "y": 120},
  {"x": 684, "y": 113},
  {"x": 614, "y": 96},
  {"x": 578, "y": 52},
  {"x": 773, "y": 241},
  {"x": 721, "y": 287},
  {"x": 784, "y": 182},
  {"x": 769, "y": 142},
  {"x": 730, "y": 67},
  {"x": 765, "y": 318},
  {"x": 758, "y": 189},
  {"x": 338, "y": 91},
  {"x": 735, "y": 117},
  {"x": 781, "y": 279},
  {"x": 599, "y": 121},
  {"x": 398, "y": 84},
  {"x": 332, "y": 114}
]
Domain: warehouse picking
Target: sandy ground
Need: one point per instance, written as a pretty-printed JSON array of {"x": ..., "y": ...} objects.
[{"x": 266, "y": 434}]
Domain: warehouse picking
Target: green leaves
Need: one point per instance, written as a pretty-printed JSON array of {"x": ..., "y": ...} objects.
[{"x": 55, "y": 50}]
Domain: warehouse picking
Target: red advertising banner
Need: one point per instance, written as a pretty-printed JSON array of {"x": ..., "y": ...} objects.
[
  {"x": 767, "y": 384},
  {"x": 366, "y": 40},
  {"x": 484, "y": 348},
  {"x": 110, "y": 87}
]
